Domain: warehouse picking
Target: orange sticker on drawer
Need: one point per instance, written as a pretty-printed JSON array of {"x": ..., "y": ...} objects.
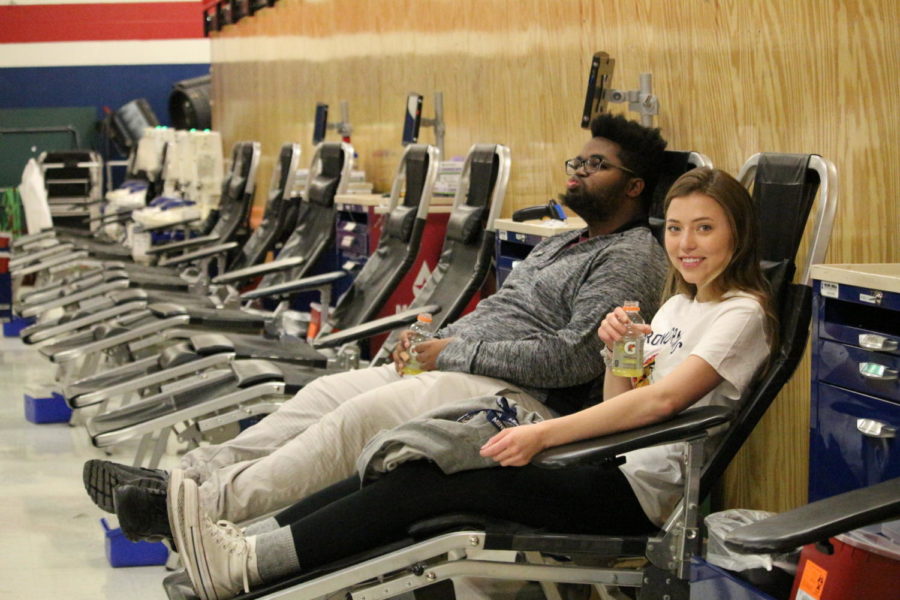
[{"x": 813, "y": 581}]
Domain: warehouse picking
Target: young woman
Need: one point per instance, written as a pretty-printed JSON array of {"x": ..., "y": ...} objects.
[{"x": 704, "y": 346}]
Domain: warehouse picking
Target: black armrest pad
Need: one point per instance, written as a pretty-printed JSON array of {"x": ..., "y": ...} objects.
[
  {"x": 119, "y": 215},
  {"x": 299, "y": 285},
  {"x": 204, "y": 252},
  {"x": 820, "y": 520},
  {"x": 370, "y": 328},
  {"x": 151, "y": 228},
  {"x": 683, "y": 426},
  {"x": 183, "y": 244},
  {"x": 164, "y": 310},
  {"x": 251, "y": 372},
  {"x": 263, "y": 269},
  {"x": 211, "y": 343}
]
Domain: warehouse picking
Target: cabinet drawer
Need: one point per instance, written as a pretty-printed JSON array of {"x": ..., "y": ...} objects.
[
  {"x": 861, "y": 370},
  {"x": 842, "y": 457},
  {"x": 857, "y": 336}
]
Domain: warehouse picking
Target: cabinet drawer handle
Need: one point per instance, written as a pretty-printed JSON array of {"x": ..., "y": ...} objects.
[
  {"x": 875, "y": 429},
  {"x": 872, "y": 341},
  {"x": 877, "y": 372}
]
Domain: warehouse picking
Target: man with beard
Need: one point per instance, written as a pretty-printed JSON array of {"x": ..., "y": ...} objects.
[{"x": 531, "y": 339}]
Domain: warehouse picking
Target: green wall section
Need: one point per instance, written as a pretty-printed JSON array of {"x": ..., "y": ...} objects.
[{"x": 17, "y": 148}]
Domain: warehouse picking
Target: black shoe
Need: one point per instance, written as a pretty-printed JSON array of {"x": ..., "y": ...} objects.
[
  {"x": 142, "y": 513},
  {"x": 101, "y": 477}
]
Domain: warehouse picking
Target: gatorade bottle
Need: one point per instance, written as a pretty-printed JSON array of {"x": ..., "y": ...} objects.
[
  {"x": 628, "y": 352},
  {"x": 419, "y": 332}
]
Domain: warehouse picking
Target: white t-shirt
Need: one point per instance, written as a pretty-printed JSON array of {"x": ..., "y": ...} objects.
[{"x": 730, "y": 336}]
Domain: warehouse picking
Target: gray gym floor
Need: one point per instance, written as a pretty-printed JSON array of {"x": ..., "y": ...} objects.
[{"x": 52, "y": 542}]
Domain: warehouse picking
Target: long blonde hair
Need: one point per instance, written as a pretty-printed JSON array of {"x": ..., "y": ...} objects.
[{"x": 742, "y": 273}]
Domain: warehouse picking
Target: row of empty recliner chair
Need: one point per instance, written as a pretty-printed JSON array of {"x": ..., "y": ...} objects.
[
  {"x": 207, "y": 378},
  {"x": 463, "y": 266}
]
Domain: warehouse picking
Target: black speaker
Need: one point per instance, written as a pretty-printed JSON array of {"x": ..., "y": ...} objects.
[
  {"x": 125, "y": 126},
  {"x": 189, "y": 106}
]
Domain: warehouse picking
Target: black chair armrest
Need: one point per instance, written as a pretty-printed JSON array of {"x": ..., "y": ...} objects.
[
  {"x": 682, "y": 427},
  {"x": 256, "y": 270},
  {"x": 203, "y": 252},
  {"x": 819, "y": 520},
  {"x": 161, "y": 226},
  {"x": 183, "y": 244},
  {"x": 109, "y": 217},
  {"x": 366, "y": 330},
  {"x": 298, "y": 285}
]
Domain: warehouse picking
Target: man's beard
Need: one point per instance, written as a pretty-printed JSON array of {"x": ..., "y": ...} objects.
[{"x": 596, "y": 207}]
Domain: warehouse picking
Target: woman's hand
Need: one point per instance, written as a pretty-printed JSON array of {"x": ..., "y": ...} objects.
[
  {"x": 515, "y": 447},
  {"x": 614, "y": 326},
  {"x": 427, "y": 353}
]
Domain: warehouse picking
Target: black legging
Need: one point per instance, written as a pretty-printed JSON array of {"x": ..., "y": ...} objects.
[{"x": 343, "y": 519}]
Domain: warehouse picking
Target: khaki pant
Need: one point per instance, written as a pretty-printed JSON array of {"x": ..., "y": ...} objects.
[{"x": 314, "y": 438}]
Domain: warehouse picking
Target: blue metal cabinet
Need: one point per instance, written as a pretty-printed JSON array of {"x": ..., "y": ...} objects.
[
  {"x": 855, "y": 412},
  {"x": 512, "y": 248}
]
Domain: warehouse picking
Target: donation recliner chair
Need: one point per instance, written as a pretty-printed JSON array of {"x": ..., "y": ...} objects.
[
  {"x": 453, "y": 546},
  {"x": 463, "y": 266}
]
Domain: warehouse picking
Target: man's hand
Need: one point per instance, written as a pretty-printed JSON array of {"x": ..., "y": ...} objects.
[
  {"x": 427, "y": 353},
  {"x": 515, "y": 447},
  {"x": 400, "y": 355}
]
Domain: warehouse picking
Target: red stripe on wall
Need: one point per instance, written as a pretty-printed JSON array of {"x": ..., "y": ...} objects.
[{"x": 97, "y": 22}]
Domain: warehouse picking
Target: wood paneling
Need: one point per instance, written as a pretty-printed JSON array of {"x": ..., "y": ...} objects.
[{"x": 733, "y": 78}]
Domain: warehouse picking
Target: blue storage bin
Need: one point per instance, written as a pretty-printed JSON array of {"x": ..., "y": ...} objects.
[
  {"x": 40, "y": 408},
  {"x": 122, "y": 552},
  {"x": 14, "y": 327}
]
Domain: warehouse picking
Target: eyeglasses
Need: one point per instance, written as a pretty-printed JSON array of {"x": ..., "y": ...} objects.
[{"x": 592, "y": 164}]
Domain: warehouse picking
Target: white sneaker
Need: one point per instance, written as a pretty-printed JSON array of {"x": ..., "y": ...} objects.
[
  {"x": 223, "y": 558},
  {"x": 175, "y": 504}
]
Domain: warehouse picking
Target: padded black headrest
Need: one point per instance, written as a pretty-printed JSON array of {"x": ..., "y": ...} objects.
[
  {"x": 322, "y": 189},
  {"x": 466, "y": 224},
  {"x": 400, "y": 222},
  {"x": 332, "y": 156},
  {"x": 674, "y": 164},
  {"x": 482, "y": 176},
  {"x": 416, "y": 170},
  {"x": 783, "y": 190}
]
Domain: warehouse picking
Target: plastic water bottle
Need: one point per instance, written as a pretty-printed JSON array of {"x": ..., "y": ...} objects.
[
  {"x": 419, "y": 332},
  {"x": 628, "y": 351}
]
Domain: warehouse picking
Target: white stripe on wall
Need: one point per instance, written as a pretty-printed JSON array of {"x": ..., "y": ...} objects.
[{"x": 107, "y": 53}]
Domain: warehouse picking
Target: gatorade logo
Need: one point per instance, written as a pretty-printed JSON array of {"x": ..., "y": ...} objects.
[{"x": 630, "y": 347}]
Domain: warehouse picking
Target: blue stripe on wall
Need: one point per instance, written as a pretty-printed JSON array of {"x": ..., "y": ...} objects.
[{"x": 112, "y": 86}]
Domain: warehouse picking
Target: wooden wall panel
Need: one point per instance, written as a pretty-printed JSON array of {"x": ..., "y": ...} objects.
[{"x": 733, "y": 78}]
